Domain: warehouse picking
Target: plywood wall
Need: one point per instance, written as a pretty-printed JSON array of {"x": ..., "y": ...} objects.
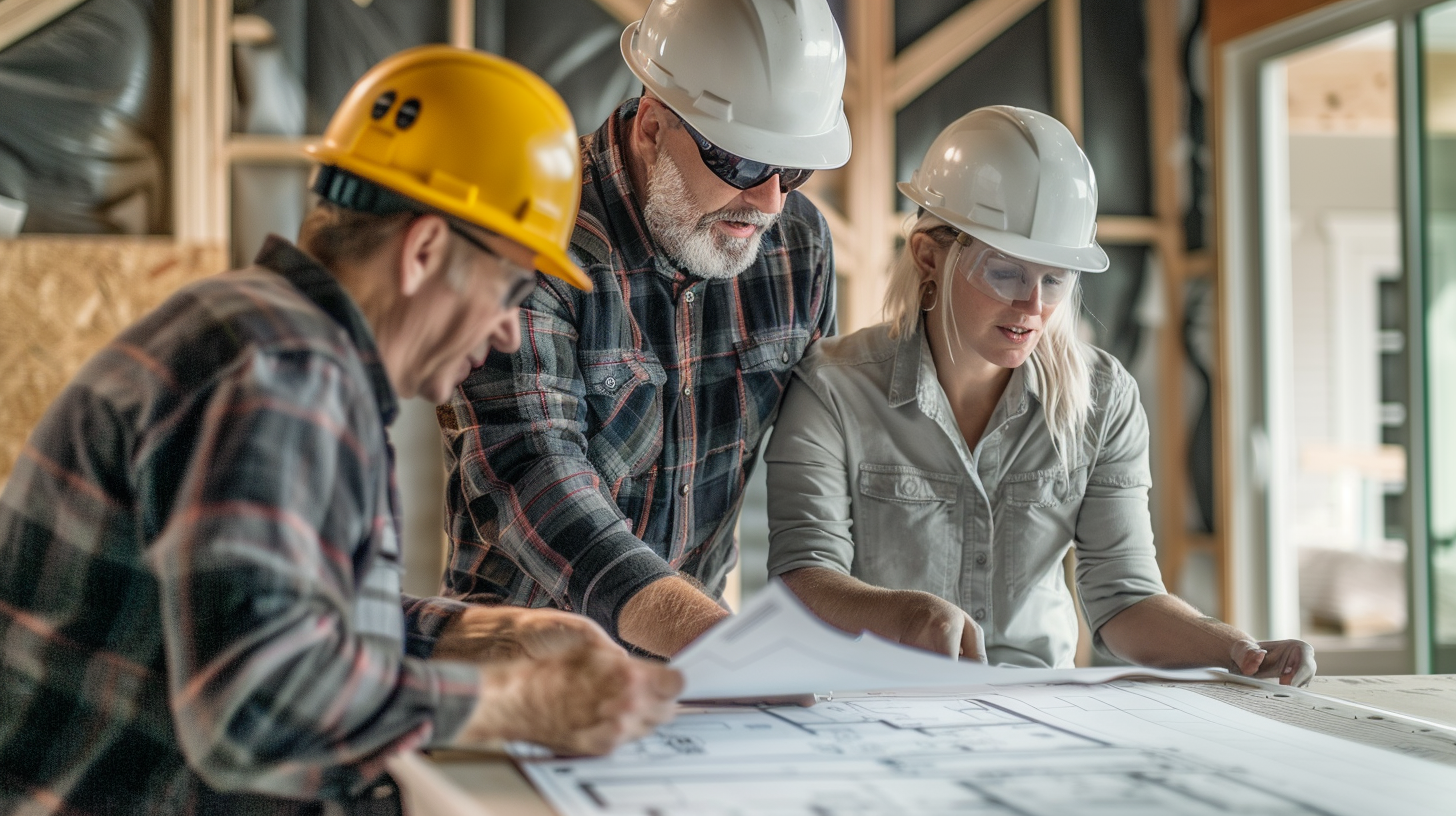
[{"x": 62, "y": 299}]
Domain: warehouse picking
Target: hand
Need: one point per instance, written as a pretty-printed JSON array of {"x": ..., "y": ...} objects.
[
  {"x": 586, "y": 700},
  {"x": 1292, "y": 661},
  {"x": 493, "y": 633},
  {"x": 929, "y": 622}
]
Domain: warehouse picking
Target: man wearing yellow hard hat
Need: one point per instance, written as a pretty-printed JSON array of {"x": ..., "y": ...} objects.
[
  {"x": 200, "y": 602},
  {"x": 602, "y": 466}
]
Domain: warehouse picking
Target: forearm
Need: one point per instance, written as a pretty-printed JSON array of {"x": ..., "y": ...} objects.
[
  {"x": 1163, "y": 631},
  {"x": 667, "y": 615},
  {"x": 840, "y": 600}
]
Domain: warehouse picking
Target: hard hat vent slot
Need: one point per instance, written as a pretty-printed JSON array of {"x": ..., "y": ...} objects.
[
  {"x": 714, "y": 105},
  {"x": 409, "y": 112},
  {"x": 523, "y": 210},
  {"x": 382, "y": 105},
  {"x": 661, "y": 75},
  {"x": 989, "y": 217}
]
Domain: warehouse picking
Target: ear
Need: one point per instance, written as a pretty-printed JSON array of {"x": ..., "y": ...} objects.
[
  {"x": 928, "y": 255},
  {"x": 425, "y": 253},
  {"x": 648, "y": 126}
]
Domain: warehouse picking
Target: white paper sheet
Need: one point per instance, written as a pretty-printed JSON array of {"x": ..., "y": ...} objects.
[
  {"x": 777, "y": 648},
  {"x": 1130, "y": 749}
]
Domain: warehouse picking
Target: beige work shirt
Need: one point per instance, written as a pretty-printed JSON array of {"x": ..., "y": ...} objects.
[{"x": 869, "y": 475}]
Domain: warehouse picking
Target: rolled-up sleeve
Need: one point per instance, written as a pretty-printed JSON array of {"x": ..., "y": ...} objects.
[
  {"x": 522, "y": 481},
  {"x": 1116, "y": 561},
  {"x": 808, "y": 486}
]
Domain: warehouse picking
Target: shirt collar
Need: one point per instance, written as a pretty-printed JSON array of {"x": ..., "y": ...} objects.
[
  {"x": 912, "y": 376},
  {"x": 315, "y": 282},
  {"x": 606, "y": 153}
]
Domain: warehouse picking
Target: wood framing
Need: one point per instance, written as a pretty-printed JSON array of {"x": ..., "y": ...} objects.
[
  {"x": 871, "y": 205},
  {"x": 18, "y": 18},
  {"x": 1066, "y": 50},
  {"x": 462, "y": 23},
  {"x": 951, "y": 43}
]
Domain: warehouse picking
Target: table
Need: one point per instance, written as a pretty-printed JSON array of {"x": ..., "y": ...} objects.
[{"x": 1351, "y": 707}]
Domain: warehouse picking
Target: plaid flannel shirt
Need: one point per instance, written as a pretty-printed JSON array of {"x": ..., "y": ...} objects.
[
  {"x": 199, "y": 565},
  {"x": 612, "y": 449}
]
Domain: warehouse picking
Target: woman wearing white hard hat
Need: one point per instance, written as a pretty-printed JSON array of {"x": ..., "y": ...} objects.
[{"x": 928, "y": 475}]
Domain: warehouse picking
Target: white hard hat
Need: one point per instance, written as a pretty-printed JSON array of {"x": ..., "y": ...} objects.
[
  {"x": 759, "y": 78},
  {"x": 1017, "y": 180}
]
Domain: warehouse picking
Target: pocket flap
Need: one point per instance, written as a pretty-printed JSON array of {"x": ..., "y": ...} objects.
[
  {"x": 608, "y": 372},
  {"x": 902, "y": 483},
  {"x": 778, "y": 351},
  {"x": 1041, "y": 488}
]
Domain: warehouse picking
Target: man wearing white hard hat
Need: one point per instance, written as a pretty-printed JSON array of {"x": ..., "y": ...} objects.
[
  {"x": 601, "y": 467},
  {"x": 929, "y": 474}
]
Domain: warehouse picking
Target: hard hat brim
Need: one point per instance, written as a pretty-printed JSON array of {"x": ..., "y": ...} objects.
[
  {"x": 550, "y": 258},
  {"x": 817, "y": 151},
  {"x": 1090, "y": 258}
]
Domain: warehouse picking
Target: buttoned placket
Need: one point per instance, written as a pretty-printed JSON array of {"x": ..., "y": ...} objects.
[
  {"x": 974, "y": 589},
  {"x": 686, "y": 303}
]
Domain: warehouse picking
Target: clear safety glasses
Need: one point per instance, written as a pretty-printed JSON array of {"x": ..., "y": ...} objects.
[
  {"x": 524, "y": 280},
  {"x": 741, "y": 173},
  {"x": 1007, "y": 279}
]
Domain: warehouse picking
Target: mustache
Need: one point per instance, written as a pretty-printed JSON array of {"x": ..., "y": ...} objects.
[{"x": 757, "y": 218}]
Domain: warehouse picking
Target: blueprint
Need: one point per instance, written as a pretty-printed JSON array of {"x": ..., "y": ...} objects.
[
  {"x": 778, "y": 648},
  {"x": 1125, "y": 748}
]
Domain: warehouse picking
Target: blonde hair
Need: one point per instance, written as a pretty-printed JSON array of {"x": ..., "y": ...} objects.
[{"x": 1059, "y": 360}]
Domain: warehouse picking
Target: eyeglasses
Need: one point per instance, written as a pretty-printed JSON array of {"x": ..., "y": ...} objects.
[
  {"x": 524, "y": 279},
  {"x": 744, "y": 174},
  {"x": 1009, "y": 279}
]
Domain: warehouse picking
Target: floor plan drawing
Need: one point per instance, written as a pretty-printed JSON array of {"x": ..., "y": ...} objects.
[{"x": 1123, "y": 748}]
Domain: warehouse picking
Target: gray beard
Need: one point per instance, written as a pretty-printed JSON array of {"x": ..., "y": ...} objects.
[{"x": 687, "y": 235}]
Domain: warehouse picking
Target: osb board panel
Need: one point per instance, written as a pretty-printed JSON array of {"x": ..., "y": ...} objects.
[
  {"x": 1230, "y": 19},
  {"x": 62, "y": 299}
]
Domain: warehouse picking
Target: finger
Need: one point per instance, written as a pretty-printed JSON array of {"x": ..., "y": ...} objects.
[
  {"x": 664, "y": 683},
  {"x": 973, "y": 641},
  {"x": 1247, "y": 657}
]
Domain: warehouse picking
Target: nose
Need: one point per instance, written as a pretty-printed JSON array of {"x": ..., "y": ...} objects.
[
  {"x": 766, "y": 197},
  {"x": 506, "y": 337},
  {"x": 1032, "y": 305}
]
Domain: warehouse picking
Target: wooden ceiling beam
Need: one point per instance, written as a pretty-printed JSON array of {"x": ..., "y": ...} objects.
[{"x": 20, "y": 18}]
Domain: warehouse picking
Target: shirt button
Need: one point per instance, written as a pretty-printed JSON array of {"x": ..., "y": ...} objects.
[
  {"x": 784, "y": 357},
  {"x": 611, "y": 382},
  {"x": 684, "y": 489},
  {"x": 690, "y": 296},
  {"x": 980, "y": 558},
  {"x": 979, "y": 614},
  {"x": 687, "y": 390}
]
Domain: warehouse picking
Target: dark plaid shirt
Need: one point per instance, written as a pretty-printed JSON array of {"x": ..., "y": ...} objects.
[
  {"x": 612, "y": 449},
  {"x": 199, "y": 565}
]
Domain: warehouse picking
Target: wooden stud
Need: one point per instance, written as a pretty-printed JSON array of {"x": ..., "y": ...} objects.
[
  {"x": 870, "y": 207},
  {"x": 1165, "y": 109},
  {"x": 462, "y": 23},
  {"x": 1066, "y": 22},
  {"x": 266, "y": 149},
  {"x": 945, "y": 47},
  {"x": 1128, "y": 229}
]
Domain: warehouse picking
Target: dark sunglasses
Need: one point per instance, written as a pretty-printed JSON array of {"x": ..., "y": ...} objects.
[
  {"x": 525, "y": 279},
  {"x": 744, "y": 174}
]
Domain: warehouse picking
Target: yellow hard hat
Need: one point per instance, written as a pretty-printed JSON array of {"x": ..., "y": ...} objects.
[{"x": 472, "y": 136}]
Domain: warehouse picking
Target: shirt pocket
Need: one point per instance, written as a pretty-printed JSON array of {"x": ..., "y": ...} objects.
[
  {"x": 1037, "y": 520},
  {"x": 907, "y": 528},
  {"x": 765, "y": 362},
  {"x": 1050, "y": 487},
  {"x": 624, "y": 406}
]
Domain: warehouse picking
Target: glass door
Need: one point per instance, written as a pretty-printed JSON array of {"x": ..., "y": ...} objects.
[
  {"x": 1336, "y": 339},
  {"x": 1438, "y": 57}
]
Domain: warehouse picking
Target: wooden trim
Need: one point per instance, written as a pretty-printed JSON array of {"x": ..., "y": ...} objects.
[
  {"x": 626, "y": 11},
  {"x": 1201, "y": 263},
  {"x": 1066, "y": 54},
  {"x": 199, "y": 206},
  {"x": 951, "y": 43},
  {"x": 462, "y": 23},
  {"x": 846, "y": 240},
  {"x": 1227, "y": 20},
  {"x": 220, "y": 85},
  {"x": 21, "y": 18}
]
